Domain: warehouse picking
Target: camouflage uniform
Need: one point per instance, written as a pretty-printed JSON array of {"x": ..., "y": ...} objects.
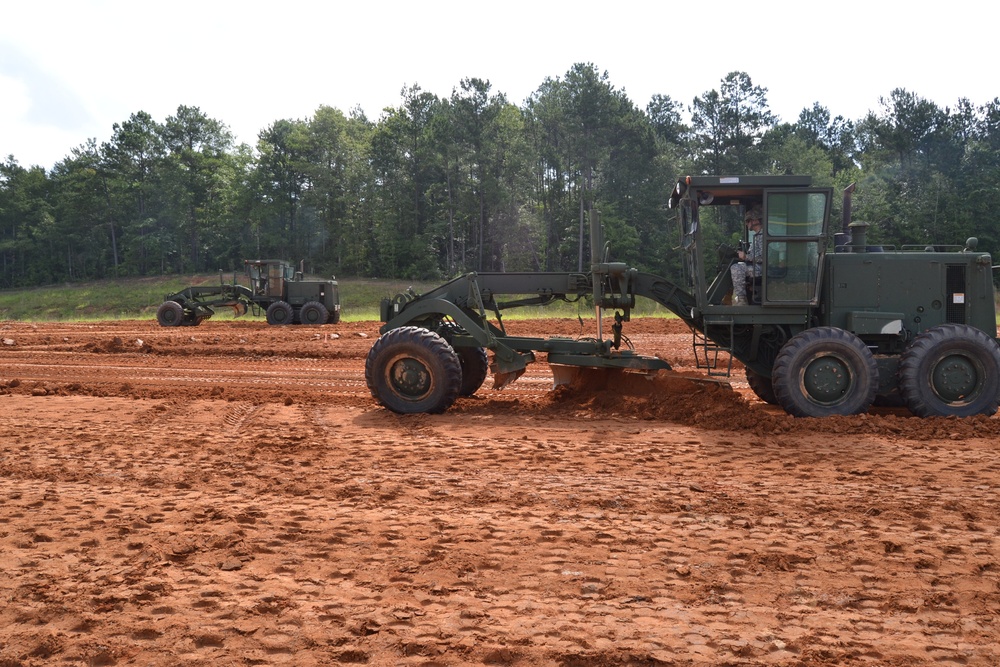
[{"x": 753, "y": 260}]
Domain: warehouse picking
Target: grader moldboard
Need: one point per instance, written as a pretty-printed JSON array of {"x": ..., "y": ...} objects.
[
  {"x": 275, "y": 288},
  {"x": 832, "y": 325}
]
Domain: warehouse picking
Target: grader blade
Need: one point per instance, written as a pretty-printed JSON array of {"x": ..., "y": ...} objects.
[
  {"x": 627, "y": 379},
  {"x": 711, "y": 382},
  {"x": 574, "y": 369},
  {"x": 563, "y": 375},
  {"x": 591, "y": 377}
]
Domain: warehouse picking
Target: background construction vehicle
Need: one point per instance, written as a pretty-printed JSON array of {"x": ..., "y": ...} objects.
[
  {"x": 275, "y": 288},
  {"x": 833, "y": 325}
]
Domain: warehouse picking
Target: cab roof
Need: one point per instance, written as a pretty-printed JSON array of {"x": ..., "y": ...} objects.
[{"x": 734, "y": 187}]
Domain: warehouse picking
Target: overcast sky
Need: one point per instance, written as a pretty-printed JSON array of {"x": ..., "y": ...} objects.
[{"x": 71, "y": 69}]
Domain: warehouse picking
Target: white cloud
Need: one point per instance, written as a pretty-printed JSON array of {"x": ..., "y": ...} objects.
[
  {"x": 87, "y": 64},
  {"x": 16, "y": 100}
]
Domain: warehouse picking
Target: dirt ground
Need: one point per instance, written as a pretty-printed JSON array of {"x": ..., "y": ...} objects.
[{"x": 230, "y": 494}]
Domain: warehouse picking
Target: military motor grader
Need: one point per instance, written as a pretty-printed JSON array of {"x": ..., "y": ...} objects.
[
  {"x": 832, "y": 324},
  {"x": 275, "y": 288}
]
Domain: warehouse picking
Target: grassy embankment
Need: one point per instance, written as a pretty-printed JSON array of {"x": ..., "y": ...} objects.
[{"x": 138, "y": 298}]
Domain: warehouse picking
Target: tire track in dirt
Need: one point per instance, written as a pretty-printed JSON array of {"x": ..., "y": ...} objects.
[{"x": 277, "y": 524}]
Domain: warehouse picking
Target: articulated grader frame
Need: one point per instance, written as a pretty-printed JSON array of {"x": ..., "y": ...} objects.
[
  {"x": 194, "y": 304},
  {"x": 433, "y": 345}
]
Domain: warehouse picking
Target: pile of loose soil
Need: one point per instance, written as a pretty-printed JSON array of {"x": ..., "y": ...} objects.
[{"x": 695, "y": 400}]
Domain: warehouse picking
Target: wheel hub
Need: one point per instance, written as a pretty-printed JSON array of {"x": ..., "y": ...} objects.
[
  {"x": 955, "y": 378},
  {"x": 410, "y": 378},
  {"x": 826, "y": 379}
]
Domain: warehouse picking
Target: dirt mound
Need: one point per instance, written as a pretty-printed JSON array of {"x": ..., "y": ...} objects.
[
  {"x": 118, "y": 346},
  {"x": 696, "y": 400},
  {"x": 665, "y": 395}
]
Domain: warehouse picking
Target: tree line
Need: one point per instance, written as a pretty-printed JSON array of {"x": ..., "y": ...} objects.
[{"x": 439, "y": 186}]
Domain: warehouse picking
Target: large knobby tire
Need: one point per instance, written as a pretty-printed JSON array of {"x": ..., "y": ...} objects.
[
  {"x": 280, "y": 313},
  {"x": 951, "y": 370},
  {"x": 823, "y": 372},
  {"x": 762, "y": 386},
  {"x": 313, "y": 312},
  {"x": 412, "y": 370},
  {"x": 334, "y": 316},
  {"x": 170, "y": 314},
  {"x": 475, "y": 368}
]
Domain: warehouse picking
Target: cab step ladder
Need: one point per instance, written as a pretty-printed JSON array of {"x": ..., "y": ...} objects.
[{"x": 706, "y": 350}]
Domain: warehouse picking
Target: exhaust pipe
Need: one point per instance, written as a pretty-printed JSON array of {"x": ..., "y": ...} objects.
[
  {"x": 596, "y": 259},
  {"x": 843, "y": 239},
  {"x": 859, "y": 237}
]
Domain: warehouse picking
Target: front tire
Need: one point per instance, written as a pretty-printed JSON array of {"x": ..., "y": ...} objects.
[
  {"x": 170, "y": 314},
  {"x": 279, "y": 313},
  {"x": 412, "y": 369},
  {"x": 951, "y": 370},
  {"x": 823, "y": 372},
  {"x": 475, "y": 367}
]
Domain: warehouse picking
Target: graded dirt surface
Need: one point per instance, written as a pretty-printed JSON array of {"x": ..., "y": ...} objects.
[{"x": 231, "y": 494}]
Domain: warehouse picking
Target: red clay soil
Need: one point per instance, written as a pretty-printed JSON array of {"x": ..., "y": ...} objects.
[{"x": 230, "y": 494}]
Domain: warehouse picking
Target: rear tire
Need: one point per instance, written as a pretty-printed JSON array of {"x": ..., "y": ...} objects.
[
  {"x": 170, "y": 314},
  {"x": 951, "y": 370},
  {"x": 314, "y": 312},
  {"x": 823, "y": 372},
  {"x": 279, "y": 313},
  {"x": 763, "y": 386},
  {"x": 411, "y": 370}
]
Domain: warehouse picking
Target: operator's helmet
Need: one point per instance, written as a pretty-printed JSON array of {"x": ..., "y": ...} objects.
[{"x": 753, "y": 214}]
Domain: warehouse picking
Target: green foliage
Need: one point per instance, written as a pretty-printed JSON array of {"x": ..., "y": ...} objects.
[
  {"x": 104, "y": 299},
  {"x": 439, "y": 186},
  {"x": 138, "y": 298},
  {"x": 729, "y": 126}
]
